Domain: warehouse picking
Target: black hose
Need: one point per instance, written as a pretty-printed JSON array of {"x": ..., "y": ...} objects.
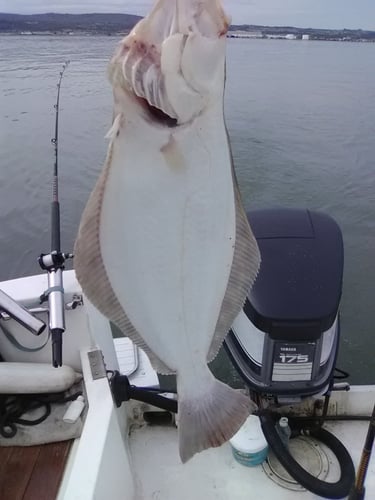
[{"x": 340, "y": 489}]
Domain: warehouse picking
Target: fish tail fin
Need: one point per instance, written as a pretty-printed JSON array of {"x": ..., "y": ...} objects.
[{"x": 210, "y": 418}]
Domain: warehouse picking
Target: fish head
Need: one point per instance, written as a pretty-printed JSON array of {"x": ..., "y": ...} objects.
[{"x": 173, "y": 61}]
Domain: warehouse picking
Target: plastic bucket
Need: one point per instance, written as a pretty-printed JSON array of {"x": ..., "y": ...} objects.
[{"x": 249, "y": 446}]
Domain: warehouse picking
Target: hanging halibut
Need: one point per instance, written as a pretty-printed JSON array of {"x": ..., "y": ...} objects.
[{"x": 164, "y": 249}]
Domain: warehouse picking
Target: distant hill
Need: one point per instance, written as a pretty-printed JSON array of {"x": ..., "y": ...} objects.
[
  {"x": 121, "y": 23},
  {"x": 93, "y": 23}
]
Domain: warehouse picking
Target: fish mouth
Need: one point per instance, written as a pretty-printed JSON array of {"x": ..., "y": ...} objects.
[{"x": 172, "y": 62}]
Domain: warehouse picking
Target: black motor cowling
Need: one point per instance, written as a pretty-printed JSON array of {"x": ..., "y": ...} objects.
[{"x": 285, "y": 340}]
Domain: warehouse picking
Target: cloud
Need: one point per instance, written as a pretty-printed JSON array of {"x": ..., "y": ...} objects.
[{"x": 70, "y": 6}]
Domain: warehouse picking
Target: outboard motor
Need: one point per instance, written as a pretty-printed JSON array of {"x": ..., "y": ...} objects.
[{"x": 285, "y": 340}]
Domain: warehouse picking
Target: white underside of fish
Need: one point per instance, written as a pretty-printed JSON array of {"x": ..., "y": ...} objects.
[
  {"x": 168, "y": 233},
  {"x": 164, "y": 248}
]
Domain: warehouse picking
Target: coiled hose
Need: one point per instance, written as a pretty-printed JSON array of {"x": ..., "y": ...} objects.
[{"x": 339, "y": 489}]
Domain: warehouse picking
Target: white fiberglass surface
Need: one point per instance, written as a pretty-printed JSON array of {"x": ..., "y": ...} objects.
[{"x": 214, "y": 473}]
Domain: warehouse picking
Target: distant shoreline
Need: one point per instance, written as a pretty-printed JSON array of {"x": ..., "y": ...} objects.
[
  {"x": 120, "y": 24},
  {"x": 230, "y": 36}
]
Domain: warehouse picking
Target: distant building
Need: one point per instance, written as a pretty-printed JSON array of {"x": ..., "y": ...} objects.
[
  {"x": 305, "y": 37},
  {"x": 245, "y": 34},
  {"x": 279, "y": 36}
]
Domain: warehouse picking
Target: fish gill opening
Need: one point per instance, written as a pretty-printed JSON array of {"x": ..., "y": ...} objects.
[{"x": 161, "y": 117}]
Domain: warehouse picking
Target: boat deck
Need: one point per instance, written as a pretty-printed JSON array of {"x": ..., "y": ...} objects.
[
  {"x": 214, "y": 474},
  {"x": 32, "y": 472}
]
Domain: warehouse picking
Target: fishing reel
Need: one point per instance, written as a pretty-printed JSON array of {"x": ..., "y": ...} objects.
[{"x": 53, "y": 260}]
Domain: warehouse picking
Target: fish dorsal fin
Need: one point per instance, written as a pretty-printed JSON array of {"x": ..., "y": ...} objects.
[
  {"x": 245, "y": 267},
  {"x": 89, "y": 265}
]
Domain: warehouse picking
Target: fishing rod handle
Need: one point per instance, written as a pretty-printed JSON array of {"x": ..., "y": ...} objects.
[
  {"x": 55, "y": 227},
  {"x": 56, "y": 301}
]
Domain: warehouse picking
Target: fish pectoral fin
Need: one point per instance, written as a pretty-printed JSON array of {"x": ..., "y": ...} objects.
[
  {"x": 115, "y": 128},
  {"x": 212, "y": 419}
]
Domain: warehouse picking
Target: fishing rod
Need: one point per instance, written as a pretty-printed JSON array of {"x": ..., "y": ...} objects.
[
  {"x": 54, "y": 261},
  {"x": 358, "y": 490}
]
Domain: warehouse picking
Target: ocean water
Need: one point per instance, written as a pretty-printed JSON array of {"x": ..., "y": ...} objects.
[{"x": 301, "y": 119}]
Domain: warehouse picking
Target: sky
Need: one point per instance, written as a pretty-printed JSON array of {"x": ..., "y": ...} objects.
[{"x": 336, "y": 14}]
